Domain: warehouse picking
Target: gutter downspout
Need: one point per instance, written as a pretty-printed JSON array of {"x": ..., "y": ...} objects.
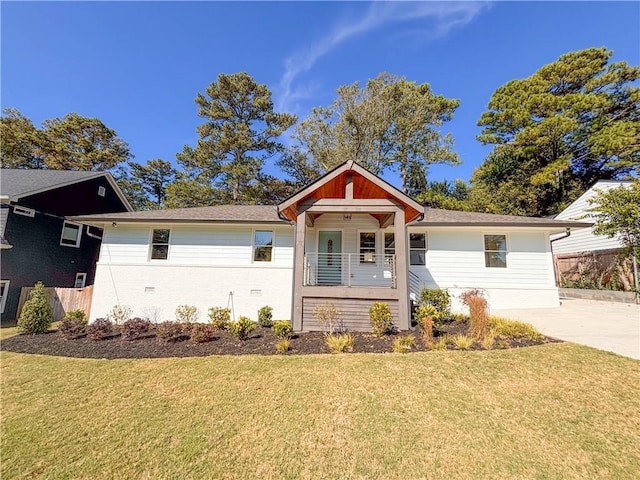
[{"x": 555, "y": 270}]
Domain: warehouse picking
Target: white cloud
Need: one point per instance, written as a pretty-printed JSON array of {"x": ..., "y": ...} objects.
[{"x": 445, "y": 16}]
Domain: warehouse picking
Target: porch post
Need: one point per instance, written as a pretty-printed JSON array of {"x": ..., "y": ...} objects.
[
  {"x": 402, "y": 270},
  {"x": 298, "y": 270}
]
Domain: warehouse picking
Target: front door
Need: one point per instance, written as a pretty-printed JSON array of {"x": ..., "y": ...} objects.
[{"x": 329, "y": 258}]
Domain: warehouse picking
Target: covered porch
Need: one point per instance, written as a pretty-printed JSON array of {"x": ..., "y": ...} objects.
[{"x": 351, "y": 247}]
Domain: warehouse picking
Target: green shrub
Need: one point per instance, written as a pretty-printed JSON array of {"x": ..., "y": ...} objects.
[
  {"x": 426, "y": 311},
  {"x": 72, "y": 327},
  {"x": 504, "y": 327},
  {"x": 404, "y": 344},
  {"x": 438, "y": 298},
  {"x": 265, "y": 316},
  {"x": 339, "y": 342},
  {"x": 100, "y": 329},
  {"x": 461, "y": 342},
  {"x": 136, "y": 328},
  {"x": 242, "y": 328},
  {"x": 119, "y": 314},
  {"x": 380, "y": 317},
  {"x": 283, "y": 345},
  {"x": 169, "y": 330},
  {"x": 282, "y": 329},
  {"x": 37, "y": 314},
  {"x": 77, "y": 315},
  {"x": 220, "y": 317},
  {"x": 187, "y": 313},
  {"x": 201, "y": 332}
]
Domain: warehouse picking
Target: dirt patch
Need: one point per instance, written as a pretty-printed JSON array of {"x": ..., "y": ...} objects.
[{"x": 261, "y": 342}]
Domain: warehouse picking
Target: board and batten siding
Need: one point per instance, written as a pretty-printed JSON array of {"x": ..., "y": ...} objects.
[
  {"x": 455, "y": 260},
  {"x": 354, "y": 313},
  {"x": 584, "y": 240},
  {"x": 205, "y": 264}
]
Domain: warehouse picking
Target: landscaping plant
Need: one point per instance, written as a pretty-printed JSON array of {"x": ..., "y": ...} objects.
[
  {"x": 220, "y": 317},
  {"x": 37, "y": 314},
  {"x": 136, "y": 328},
  {"x": 282, "y": 329},
  {"x": 438, "y": 298},
  {"x": 265, "y": 316},
  {"x": 76, "y": 315},
  {"x": 100, "y": 329},
  {"x": 380, "y": 317},
  {"x": 504, "y": 327},
  {"x": 242, "y": 328},
  {"x": 462, "y": 342},
  {"x": 478, "y": 314},
  {"x": 202, "y": 332},
  {"x": 328, "y": 316},
  {"x": 119, "y": 314},
  {"x": 404, "y": 344},
  {"x": 187, "y": 313},
  {"x": 283, "y": 345},
  {"x": 424, "y": 317},
  {"x": 72, "y": 327},
  {"x": 169, "y": 330},
  {"x": 339, "y": 342}
]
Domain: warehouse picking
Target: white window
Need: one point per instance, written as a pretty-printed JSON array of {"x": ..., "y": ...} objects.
[
  {"x": 262, "y": 246},
  {"x": 71, "y": 234},
  {"x": 81, "y": 280},
  {"x": 160, "y": 243},
  {"x": 495, "y": 251},
  {"x": 27, "y": 212},
  {"x": 94, "y": 232},
  {"x": 367, "y": 247},
  {"x": 417, "y": 248},
  {"x": 4, "y": 291},
  {"x": 101, "y": 191}
]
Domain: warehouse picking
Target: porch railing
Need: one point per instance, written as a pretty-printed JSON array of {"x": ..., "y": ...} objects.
[{"x": 350, "y": 270}]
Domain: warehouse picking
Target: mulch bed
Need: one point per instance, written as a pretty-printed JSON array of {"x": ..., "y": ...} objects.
[{"x": 261, "y": 342}]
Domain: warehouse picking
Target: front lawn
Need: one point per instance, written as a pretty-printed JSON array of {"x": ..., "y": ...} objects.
[{"x": 550, "y": 411}]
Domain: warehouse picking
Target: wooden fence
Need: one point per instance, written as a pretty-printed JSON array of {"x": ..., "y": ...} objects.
[
  {"x": 597, "y": 269},
  {"x": 62, "y": 299}
]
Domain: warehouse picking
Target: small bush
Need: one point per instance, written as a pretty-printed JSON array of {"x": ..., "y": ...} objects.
[
  {"x": 328, "y": 316},
  {"x": 404, "y": 344},
  {"x": 187, "y": 313},
  {"x": 136, "y": 328},
  {"x": 380, "y": 317},
  {"x": 220, "y": 317},
  {"x": 101, "y": 328},
  {"x": 488, "y": 341},
  {"x": 461, "y": 342},
  {"x": 441, "y": 343},
  {"x": 169, "y": 330},
  {"x": 76, "y": 315},
  {"x": 438, "y": 298},
  {"x": 283, "y": 345},
  {"x": 504, "y": 327},
  {"x": 242, "y": 328},
  {"x": 427, "y": 332},
  {"x": 36, "y": 315},
  {"x": 426, "y": 311},
  {"x": 119, "y": 314},
  {"x": 265, "y": 316},
  {"x": 459, "y": 317},
  {"x": 282, "y": 329},
  {"x": 72, "y": 327},
  {"x": 478, "y": 317},
  {"x": 202, "y": 332},
  {"x": 339, "y": 342}
]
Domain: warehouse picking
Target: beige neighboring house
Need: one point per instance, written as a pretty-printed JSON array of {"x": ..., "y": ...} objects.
[{"x": 349, "y": 238}]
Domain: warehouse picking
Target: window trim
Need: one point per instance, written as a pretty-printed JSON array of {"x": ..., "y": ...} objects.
[
  {"x": 425, "y": 249},
  {"x": 253, "y": 245},
  {"x": 151, "y": 244},
  {"x": 24, "y": 211},
  {"x": 506, "y": 251},
  {"x": 3, "y": 299},
  {"x": 93, "y": 235},
  {"x": 82, "y": 275},
  {"x": 78, "y": 238},
  {"x": 375, "y": 247}
]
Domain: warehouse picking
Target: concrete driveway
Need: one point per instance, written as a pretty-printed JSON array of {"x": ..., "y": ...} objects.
[{"x": 614, "y": 327}]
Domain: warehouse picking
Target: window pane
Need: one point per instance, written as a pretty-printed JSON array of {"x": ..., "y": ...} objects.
[
  {"x": 389, "y": 241},
  {"x": 495, "y": 242},
  {"x": 495, "y": 259},
  {"x": 160, "y": 252},
  {"x": 161, "y": 236},
  {"x": 262, "y": 254},
  {"x": 417, "y": 240},
  {"x": 70, "y": 233},
  {"x": 263, "y": 238},
  {"x": 417, "y": 257},
  {"x": 367, "y": 240}
]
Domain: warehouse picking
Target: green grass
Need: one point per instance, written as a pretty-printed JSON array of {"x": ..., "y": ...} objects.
[{"x": 553, "y": 411}]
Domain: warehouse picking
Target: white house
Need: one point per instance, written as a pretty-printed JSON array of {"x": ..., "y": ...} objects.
[
  {"x": 348, "y": 238},
  {"x": 584, "y": 240}
]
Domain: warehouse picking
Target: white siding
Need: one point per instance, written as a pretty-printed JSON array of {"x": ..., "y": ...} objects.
[
  {"x": 584, "y": 240},
  {"x": 349, "y": 228}
]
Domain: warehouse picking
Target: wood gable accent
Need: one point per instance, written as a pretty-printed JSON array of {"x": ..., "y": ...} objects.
[{"x": 350, "y": 188}]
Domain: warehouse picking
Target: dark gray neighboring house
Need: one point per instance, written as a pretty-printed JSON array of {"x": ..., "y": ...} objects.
[{"x": 37, "y": 243}]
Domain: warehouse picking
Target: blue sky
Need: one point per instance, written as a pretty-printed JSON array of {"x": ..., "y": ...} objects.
[{"x": 138, "y": 65}]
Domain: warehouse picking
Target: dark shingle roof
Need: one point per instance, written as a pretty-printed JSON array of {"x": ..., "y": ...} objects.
[
  {"x": 23, "y": 182},
  {"x": 216, "y": 213},
  {"x": 435, "y": 217}
]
